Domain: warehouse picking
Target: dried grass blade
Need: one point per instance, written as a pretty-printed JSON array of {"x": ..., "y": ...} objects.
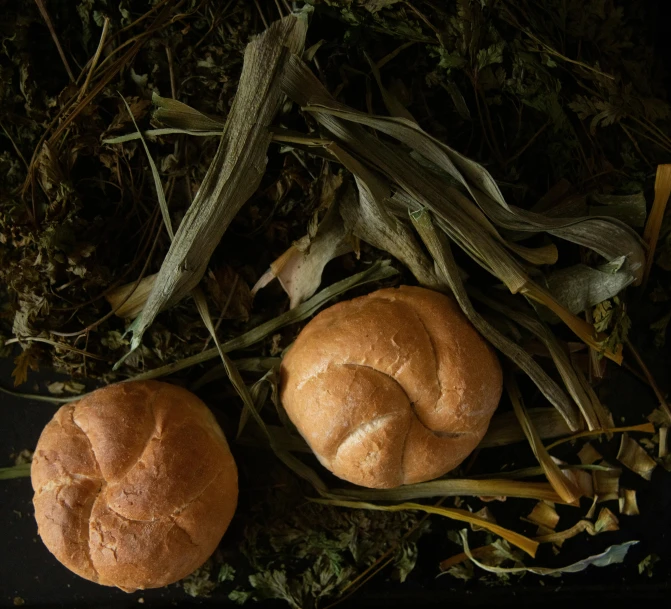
[
  {"x": 297, "y": 466},
  {"x": 583, "y": 330},
  {"x": 633, "y": 456},
  {"x": 439, "y": 249},
  {"x": 607, "y": 236},
  {"x": 505, "y": 429},
  {"x": 654, "y": 223},
  {"x": 642, "y": 428},
  {"x": 391, "y": 103},
  {"x": 563, "y": 486},
  {"x": 182, "y": 116},
  {"x": 377, "y": 272},
  {"x": 129, "y": 137},
  {"x": 612, "y": 555},
  {"x": 454, "y": 488},
  {"x": 235, "y": 172},
  {"x": 596, "y": 415},
  {"x": 17, "y": 471},
  {"x": 606, "y": 521},
  {"x": 368, "y": 219},
  {"x": 259, "y": 392},
  {"x": 524, "y": 543},
  {"x": 163, "y": 204}
]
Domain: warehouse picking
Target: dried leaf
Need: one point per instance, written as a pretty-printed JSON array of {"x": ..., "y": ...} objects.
[
  {"x": 439, "y": 248},
  {"x": 181, "y": 116},
  {"x": 505, "y": 429},
  {"x": 522, "y": 542},
  {"x": 627, "y": 502},
  {"x": 27, "y": 359},
  {"x": 235, "y": 172},
  {"x": 376, "y": 272},
  {"x": 456, "y": 487},
  {"x": 606, "y": 484},
  {"x": 612, "y": 555},
  {"x": 368, "y": 219},
  {"x": 545, "y": 515},
  {"x": 128, "y": 300},
  {"x": 300, "y": 270},
  {"x": 633, "y": 456},
  {"x": 630, "y": 209},
  {"x": 588, "y": 454},
  {"x": 580, "y": 287},
  {"x": 562, "y": 484},
  {"x": 230, "y": 292}
]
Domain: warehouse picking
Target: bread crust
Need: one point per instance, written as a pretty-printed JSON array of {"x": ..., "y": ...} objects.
[
  {"x": 391, "y": 388},
  {"x": 134, "y": 485}
]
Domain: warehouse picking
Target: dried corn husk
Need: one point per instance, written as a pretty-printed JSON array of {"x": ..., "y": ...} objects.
[
  {"x": 544, "y": 515},
  {"x": 234, "y": 174},
  {"x": 627, "y": 502},
  {"x": 522, "y": 542},
  {"x": 633, "y": 456}
]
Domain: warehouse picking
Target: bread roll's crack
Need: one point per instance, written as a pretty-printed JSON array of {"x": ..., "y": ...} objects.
[
  {"x": 435, "y": 355},
  {"x": 179, "y": 510},
  {"x": 152, "y": 435},
  {"x": 89, "y": 554},
  {"x": 126, "y": 519},
  {"x": 364, "y": 429},
  {"x": 181, "y": 528},
  {"x": 88, "y": 440}
]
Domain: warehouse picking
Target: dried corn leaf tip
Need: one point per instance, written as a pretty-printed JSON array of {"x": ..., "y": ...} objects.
[
  {"x": 391, "y": 388},
  {"x": 134, "y": 485}
]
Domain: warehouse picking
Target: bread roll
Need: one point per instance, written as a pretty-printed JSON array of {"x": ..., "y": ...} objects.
[
  {"x": 134, "y": 485},
  {"x": 391, "y": 388}
]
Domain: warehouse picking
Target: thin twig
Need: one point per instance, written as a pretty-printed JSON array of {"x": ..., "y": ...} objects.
[
  {"x": 52, "y": 31},
  {"x": 651, "y": 379},
  {"x": 258, "y": 8},
  {"x": 57, "y": 345},
  {"x": 171, "y": 70},
  {"x": 279, "y": 8},
  {"x": 16, "y": 148},
  {"x": 96, "y": 57},
  {"x": 223, "y": 311}
]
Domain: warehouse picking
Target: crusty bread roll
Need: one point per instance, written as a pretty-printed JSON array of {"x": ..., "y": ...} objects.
[
  {"x": 134, "y": 485},
  {"x": 391, "y": 388}
]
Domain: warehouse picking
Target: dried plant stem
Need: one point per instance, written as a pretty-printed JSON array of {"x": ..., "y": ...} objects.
[
  {"x": 656, "y": 217},
  {"x": 96, "y": 57},
  {"x": 54, "y": 36},
  {"x": 642, "y": 428},
  {"x": 651, "y": 379}
]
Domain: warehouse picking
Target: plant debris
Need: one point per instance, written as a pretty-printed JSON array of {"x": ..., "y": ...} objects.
[{"x": 164, "y": 163}]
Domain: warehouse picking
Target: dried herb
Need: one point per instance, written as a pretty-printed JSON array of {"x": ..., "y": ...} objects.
[{"x": 527, "y": 140}]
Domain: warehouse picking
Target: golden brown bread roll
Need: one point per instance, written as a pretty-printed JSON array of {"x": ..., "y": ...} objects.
[
  {"x": 391, "y": 388},
  {"x": 134, "y": 485}
]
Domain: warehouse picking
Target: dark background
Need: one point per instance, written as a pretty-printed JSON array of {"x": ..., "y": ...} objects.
[{"x": 28, "y": 571}]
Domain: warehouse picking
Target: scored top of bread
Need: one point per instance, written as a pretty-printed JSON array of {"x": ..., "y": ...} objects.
[
  {"x": 134, "y": 485},
  {"x": 392, "y": 388}
]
